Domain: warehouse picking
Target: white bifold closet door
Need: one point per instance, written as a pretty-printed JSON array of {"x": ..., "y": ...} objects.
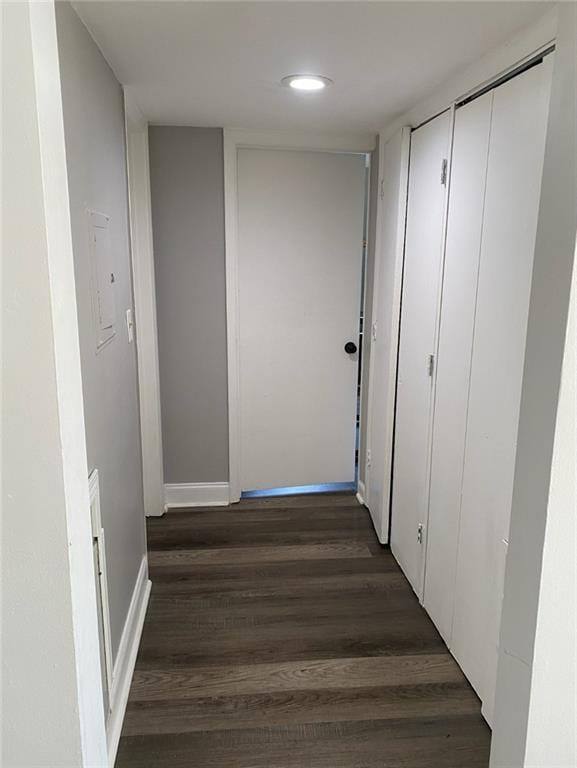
[
  {"x": 499, "y": 142},
  {"x": 514, "y": 170},
  {"x": 420, "y": 302},
  {"x": 464, "y": 226}
]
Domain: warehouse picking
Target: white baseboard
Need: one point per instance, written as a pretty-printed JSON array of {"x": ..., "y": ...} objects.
[
  {"x": 126, "y": 659},
  {"x": 196, "y": 495},
  {"x": 361, "y": 493},
  {"x": 381, "y": 530}
]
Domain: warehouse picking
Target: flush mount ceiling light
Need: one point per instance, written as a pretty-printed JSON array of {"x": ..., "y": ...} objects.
[{"x": 306, "y": 82}]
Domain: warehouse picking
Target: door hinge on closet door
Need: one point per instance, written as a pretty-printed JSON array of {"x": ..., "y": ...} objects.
[
  {"x": 420, "y": 533},
  {"x": 444, "y": 170},
  {"x": 431, "y": 365}
]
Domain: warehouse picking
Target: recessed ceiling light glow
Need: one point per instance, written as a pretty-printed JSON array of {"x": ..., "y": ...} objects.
[{"x": 306, "y": 82}]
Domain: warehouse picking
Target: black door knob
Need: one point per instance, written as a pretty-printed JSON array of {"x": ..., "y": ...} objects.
[{"x": 350, "y": 347}]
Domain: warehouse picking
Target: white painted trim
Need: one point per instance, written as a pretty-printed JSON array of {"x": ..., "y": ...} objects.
[
  {"x": 126, "y": 659},
  {"x": 196, "y": 495},
  {"x": 361, "y": 493},
  {"x": 363, "y": 414},
  {"x": 233, "y": 140},
  {"x": 132, "y": 113},
  {"x": 323, "y": 142},
  {"x": 68, "y": 380},
  {"x": 98, "y": 536},
  {"x": 141, "y": 248},
  {"x": 230, "y": 139},
  {"x": 381, "y": 518},
  {"x": 500, "y": 60}
]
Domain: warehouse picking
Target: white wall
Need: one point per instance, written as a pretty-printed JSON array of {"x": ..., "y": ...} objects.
[
  {"x": 534, "y": 726},
  {"x": 552, "y": 727},
  {"x": 51, "y": 686}
]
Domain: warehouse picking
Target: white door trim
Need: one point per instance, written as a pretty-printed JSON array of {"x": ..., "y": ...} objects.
[
  {"x": 125, "y": 662},
  {"x": 391, "y": 305},
  {"x": 233, "y": 141},
  {"x": 102, "y": 576},
  {"x": 141, "y": 247},
  {"x": 195, "y": 495}
]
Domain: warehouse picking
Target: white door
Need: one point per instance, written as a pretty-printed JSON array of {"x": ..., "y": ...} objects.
[
  {"x": 300, "y": 234},
  {"x": 384, "y": 335},
  {"x": 515, "y": 164},
  {"x": 463, "y": 244},
  {"x": 419, "y": 311}
]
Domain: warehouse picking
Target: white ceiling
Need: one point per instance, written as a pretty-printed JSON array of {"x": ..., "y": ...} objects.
[{"x": 220, "y": 63}]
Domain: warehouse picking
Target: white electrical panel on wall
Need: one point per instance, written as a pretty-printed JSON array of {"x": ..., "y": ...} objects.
[{"x": 102, "y": 278}]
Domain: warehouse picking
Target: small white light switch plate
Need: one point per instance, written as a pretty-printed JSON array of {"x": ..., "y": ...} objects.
[{"x": 129, "y": 326}]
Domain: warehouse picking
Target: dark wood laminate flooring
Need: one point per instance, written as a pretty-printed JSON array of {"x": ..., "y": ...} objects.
[{"x": 280, "y": 634}]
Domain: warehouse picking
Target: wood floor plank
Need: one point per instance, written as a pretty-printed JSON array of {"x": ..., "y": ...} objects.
[
  {"x": 281, "y": 634},
  {"x": 325, "y": 674},
  {"x": 284, "y": 641},
  {"x": 290, "y": 707},
  {"x": 449, "y": 742},
  {"x": 264, "y": 554},
  {"x": 279, "y": 572},
  {"x": 278, "y": 604},
  {"x": 231, "y": 590},
  {"x": 281, "y": 534}
]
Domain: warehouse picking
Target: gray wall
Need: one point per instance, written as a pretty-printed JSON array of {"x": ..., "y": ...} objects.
[
  {"x": 369, "y": 287},
  {"x": 94, "y": 130},
  {"x": 187, "y": 188}
]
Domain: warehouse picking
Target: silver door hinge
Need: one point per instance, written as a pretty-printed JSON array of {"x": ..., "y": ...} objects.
[
  {"x": 444, "y": 167},
  {"x": 431, "y": 366},
  {"x": 382, "y": 189},
  {"x": 420, "y": 532},
  {"x": 374, "y": 331},
  {"x": 368, "y": 458}
]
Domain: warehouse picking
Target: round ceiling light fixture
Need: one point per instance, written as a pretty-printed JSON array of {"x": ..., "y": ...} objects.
[{"x": 307, "y": 83}]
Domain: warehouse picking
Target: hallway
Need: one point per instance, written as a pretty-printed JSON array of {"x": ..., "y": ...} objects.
[{"x": 280, "y": 634}]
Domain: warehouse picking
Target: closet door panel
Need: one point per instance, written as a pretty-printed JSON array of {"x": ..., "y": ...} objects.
[
  {"x": 421, "y": 278},
  {"x": 464, "y": 224},
  {"x": 518, "y": 129}
]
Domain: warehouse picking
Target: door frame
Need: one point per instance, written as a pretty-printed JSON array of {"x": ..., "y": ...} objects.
[
  {"x": 234, "y": 140},
  {"x": 391, "y": 306},
  {"x": 144, "y": 298}
]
